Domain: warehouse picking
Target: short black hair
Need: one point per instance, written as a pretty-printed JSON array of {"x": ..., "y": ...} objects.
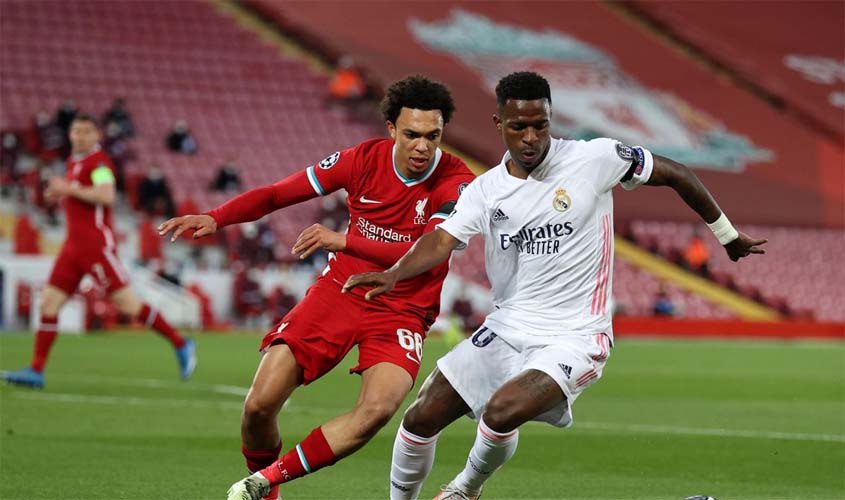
[
  {"x": 522, "y": 86},
  {"x": 84, "y": 117},
  {"x": 416, "y": 92}
]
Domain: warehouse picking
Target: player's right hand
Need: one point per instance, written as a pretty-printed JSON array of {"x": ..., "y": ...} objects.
[
  {"x": 57, "y": 187},
  {"x": 318, "y": 237},
  {"x": 382, "y": 283},
  {"x": 202, "y": 225},
  {"x": 743, "y": 246}
]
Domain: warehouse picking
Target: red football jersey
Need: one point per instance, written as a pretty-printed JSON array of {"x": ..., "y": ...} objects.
[
  {"x": 386, "y": 206},
  {"x": 87, "y": 225}
]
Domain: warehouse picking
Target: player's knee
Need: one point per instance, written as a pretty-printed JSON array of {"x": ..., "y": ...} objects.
[
  {"x": 127, "y": 306},
  {"x": 257, "y": 413},
  {"x": 372, "y": 416},
  {"x": 420, "y": 421},
  {"x": 125, "y": 309},
  {"x": 503, "y": 414},
  {"x": 48, "y": 308},
  {"x": 51, "y": 303}
]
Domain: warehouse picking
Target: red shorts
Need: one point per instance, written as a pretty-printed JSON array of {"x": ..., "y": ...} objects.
[
  {"x": 326, "y": 324},
  {"x": 74, "y": 263}
]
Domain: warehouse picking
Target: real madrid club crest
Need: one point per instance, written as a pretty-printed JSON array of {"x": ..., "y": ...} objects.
[{"x": 562, "y": 201}]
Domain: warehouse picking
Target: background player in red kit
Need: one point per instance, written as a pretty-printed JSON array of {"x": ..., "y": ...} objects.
[
  {"x": 88, "y": 190},
  {"x": 398, "y": 188}
]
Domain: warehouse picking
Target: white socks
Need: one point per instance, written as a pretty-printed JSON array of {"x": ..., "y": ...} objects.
[
  {"x": 413, "y": 457},
  {"x": 490, "y": 451}
]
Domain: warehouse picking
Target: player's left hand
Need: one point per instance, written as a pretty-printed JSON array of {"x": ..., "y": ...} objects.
[
  {"x": 316, "y": 237},
  {"x": 56, "y": 188},
  {"x": 202, "y": 225},
  {"x": 743, "y": 246},
  {"x": 382, "y": 283}
]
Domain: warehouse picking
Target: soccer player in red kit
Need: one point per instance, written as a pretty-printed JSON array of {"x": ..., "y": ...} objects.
[
  {"x": 88, "y": 191},
  {"x": 398, "y": 189}
]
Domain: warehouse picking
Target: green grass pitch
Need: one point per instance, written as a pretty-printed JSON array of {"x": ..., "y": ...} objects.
[{"x": 670, "y": 419}]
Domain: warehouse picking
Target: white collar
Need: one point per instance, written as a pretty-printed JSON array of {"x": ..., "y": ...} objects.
[{"x": 413, "y": 182}]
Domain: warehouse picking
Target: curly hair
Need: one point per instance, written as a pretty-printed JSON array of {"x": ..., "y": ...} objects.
[
  {"x": 416, "y": 92},
  {"x": 522, "y": 86}
]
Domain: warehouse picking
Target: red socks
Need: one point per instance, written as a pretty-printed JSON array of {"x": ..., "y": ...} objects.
[
  {"x": 44, "y": 338},
  {"x": 48, "y": 329},
  {"x": 312, "y": 454},
  {"x": 259, "y": 459},
  {"x": 154, "y": 320}
]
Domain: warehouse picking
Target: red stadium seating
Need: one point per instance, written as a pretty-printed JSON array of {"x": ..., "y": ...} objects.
[
  {"x": 800, "y": 267},
  {"x": 174, "y": 60},
  {"x": 635, "y": 292}
]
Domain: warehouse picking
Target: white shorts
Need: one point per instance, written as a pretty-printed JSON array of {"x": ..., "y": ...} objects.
[{"x": 478, "y": 366}]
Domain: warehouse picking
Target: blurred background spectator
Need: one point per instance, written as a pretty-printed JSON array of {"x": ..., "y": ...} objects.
[
  {"x": 154, "y": 194},
  {"x": 180, "y": 139},
  {"x": 228, "y": 179},
  {"x": 663, "y": 305},
  {"x": 119, "y": 115},
  {"x": 696, "y": 255}
]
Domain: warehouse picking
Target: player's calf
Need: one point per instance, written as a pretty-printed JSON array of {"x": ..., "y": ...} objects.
[
  {"x": 523, "y": 398},
  {"x": 436, "y": 406},
  {"x": 490, "y": 451},
  {"x": 369, "y": 417}
]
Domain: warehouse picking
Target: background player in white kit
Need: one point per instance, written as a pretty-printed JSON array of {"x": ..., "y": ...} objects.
[{"x": 546, "y": 213}]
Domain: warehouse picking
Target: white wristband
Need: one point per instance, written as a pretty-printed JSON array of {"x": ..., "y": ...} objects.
[{"x": 723, "y": 230}]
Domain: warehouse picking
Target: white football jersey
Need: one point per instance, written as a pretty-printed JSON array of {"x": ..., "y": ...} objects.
[{"x": 549, "y": 238}]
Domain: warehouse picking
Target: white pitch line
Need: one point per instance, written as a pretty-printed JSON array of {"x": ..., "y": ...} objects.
[
  {"x": 704, "y": 431},
  {"x": 143, "y": 401},
  {"x": 123, "y": 400},
  {"x": 604, "y": 426},
  {"x": 155, "y": 383}
]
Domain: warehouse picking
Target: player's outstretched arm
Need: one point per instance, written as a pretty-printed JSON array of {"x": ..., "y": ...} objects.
[
  {"x": 689, "y": 187},
  {"x": 429, "y": 251},
  {"x": 202, "y": 225}
]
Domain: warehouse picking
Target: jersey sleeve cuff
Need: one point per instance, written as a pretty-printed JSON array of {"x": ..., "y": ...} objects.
[
  {"x": 312, "y": 179},
  {"x": 464, "y": 240},
  {"x": 641, "y": 174}
]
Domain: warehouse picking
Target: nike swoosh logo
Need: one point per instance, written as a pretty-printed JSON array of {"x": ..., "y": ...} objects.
[
  {"x": 408, "y": 355},
  {"x": 364, "y": 199}
]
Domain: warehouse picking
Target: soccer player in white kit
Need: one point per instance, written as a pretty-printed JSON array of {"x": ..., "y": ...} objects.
[{"x": 546, "y": 213}]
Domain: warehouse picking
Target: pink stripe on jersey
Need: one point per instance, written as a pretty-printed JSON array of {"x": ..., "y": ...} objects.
[
  {"x": 608, "y": 263},
  {"x": 602, "y": 272},
  {"x": 600, "y": 293},
  {"x": 604, "y": 343},
  {"x": 598, "y": 281}
]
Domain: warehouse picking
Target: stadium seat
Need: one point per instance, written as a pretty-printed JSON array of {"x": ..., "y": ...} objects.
[{"x": 796, "y": 274}]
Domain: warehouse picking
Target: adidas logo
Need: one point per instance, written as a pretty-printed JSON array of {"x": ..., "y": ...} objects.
[
  {"x": 499, "y": 216},
  {"x": 399, "y": 486},
  {"x": 567, "y": 370}
]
